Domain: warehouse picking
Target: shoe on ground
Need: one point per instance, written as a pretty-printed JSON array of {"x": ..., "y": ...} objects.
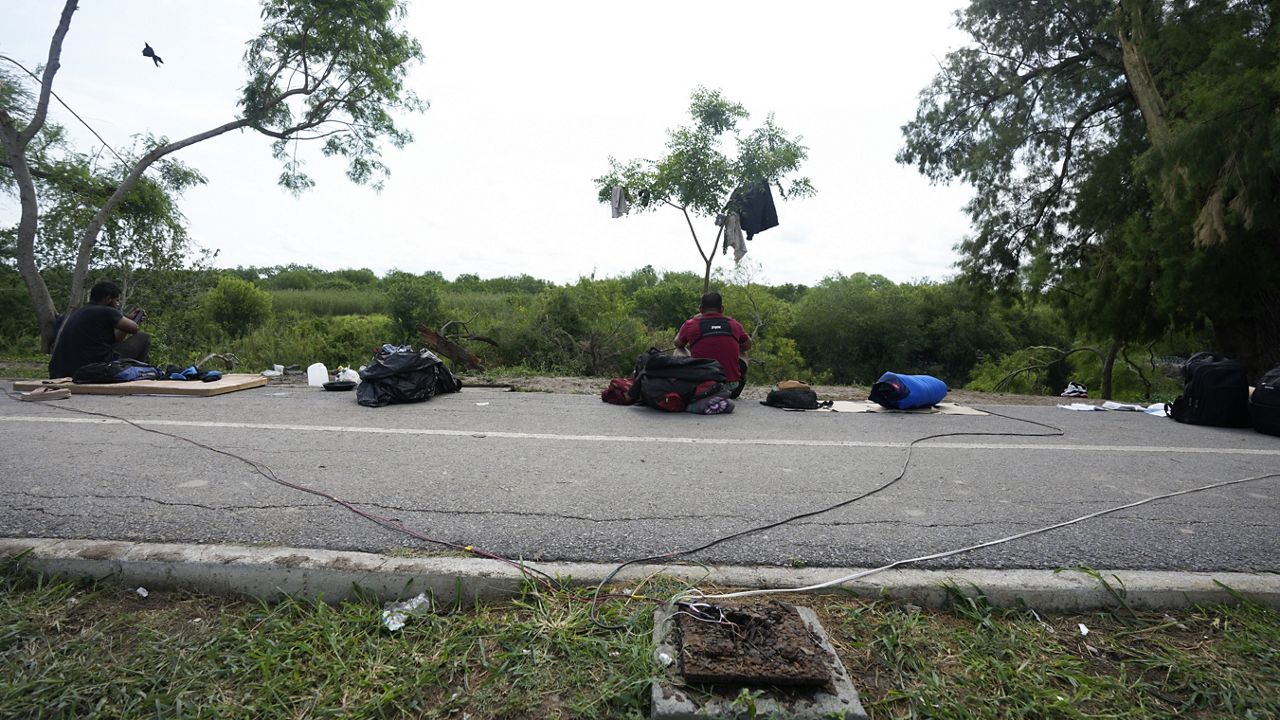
[{"x": 45, "y": 393}]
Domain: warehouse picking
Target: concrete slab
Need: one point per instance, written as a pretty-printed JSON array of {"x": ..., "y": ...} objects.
[{"x": 674, "y": 699}]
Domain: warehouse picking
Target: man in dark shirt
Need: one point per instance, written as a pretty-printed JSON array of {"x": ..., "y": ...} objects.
[
  {"x": 712, "y": 334},
  {"x": 97, "y": 332}
]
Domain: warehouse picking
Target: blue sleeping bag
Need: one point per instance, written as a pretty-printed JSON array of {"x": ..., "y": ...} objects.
[{"x": 904, "y": 392}]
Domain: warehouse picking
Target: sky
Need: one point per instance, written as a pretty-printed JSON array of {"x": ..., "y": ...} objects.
[{"x": 527, "y": 103}]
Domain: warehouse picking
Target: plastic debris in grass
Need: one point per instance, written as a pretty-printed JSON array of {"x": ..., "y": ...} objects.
[
  {"x": 395, "y": 614},
  {"x": 142, "y": 592}
]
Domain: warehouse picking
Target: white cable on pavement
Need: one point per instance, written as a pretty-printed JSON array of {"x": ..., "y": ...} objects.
[{"x": 695, "y": 593}]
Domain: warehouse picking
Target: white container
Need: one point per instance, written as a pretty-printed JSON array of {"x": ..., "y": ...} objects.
[{"x": 317, "y": 375}]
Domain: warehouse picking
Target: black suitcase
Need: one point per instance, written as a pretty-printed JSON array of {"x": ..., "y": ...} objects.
[
  {"x": 1264, "y": 404},
  {"x": 1216, "y": 393}
]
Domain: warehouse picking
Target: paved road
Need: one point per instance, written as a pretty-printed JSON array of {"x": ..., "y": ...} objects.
[{"x": 566, "y": 477}]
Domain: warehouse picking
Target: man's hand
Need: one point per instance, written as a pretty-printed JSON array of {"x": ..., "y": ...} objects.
[{"x": 138, "y": 315}]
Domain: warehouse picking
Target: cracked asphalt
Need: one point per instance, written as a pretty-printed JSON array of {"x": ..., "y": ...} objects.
[{"x": 566, "y": 477}]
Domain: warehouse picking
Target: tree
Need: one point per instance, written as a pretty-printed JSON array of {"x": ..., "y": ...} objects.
[
  {"x": 413, "y": 300},
  {"x": 1122, "y": 155},
  {"x": 237, "y": 306},
  {"x": 330, "y": 71},
  {"x": 697, "y": 178}
]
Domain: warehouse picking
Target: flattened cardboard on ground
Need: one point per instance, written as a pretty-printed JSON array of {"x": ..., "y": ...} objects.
[
  {"x": 190, "y": 388},
  {"x": 866, "y": 406}
]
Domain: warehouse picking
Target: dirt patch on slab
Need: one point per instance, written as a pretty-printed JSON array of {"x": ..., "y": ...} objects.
[
  {"x": 103, "y": 551},
  {"x": 755, "y": 644},
  {"x": 290, "y": 560}
]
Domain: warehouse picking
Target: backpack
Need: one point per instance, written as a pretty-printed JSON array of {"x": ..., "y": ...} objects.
[
  {"x": 1264, "y": 404},
  {"x": 1216, "y": 393},
  {"x": 792, "y": 395},
  {"x": 116, "y": 371},
  {"x": 619, "y": 392},
  {"x": 673, "y": 383}
]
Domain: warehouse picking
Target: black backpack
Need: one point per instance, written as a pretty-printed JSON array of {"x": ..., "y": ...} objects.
[
  {"x": 116, "y": 371},
  {"x": 673, "y": 383},
  {"x": 793, "y": 395},
  {"x": 1216, "y": 393},
  {"x": 1264, "y": 404}
]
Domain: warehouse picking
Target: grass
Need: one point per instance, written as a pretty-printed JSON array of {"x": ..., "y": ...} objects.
[
  {"x": 329, "y": 302},
  {"x": 76, "y": 650}
]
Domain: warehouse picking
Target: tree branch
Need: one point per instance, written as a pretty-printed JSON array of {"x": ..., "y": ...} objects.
[
  {"x": 90, "y": 235},
  {"x": 50, "y": 69}
]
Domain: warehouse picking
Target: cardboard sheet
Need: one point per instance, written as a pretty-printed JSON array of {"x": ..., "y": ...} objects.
[
  {"x": 192, "y": 388},
  {"x": 866, "y": 406}
]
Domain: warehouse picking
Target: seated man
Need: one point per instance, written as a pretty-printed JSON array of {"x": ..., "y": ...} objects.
[
  {"x": 97, "y": 332},
  {"x": 712, "y": 334}
]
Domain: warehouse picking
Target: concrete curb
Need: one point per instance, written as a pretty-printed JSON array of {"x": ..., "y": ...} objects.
[{"x": 269, "y": 572}]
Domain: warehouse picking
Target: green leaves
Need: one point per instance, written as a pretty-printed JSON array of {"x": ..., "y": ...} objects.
[{"x": 331, "y": 71}]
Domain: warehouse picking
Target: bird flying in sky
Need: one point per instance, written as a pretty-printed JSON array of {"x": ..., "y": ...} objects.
[{"x": 148, "y": 52}]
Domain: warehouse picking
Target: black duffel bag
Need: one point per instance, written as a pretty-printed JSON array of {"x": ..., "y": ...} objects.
[
  {"x": 673, "y": 382},
  {"x": 1216, "y": 393},
  {"x": 404, "y": 375},
  {"x": 1264, "y": 404}
]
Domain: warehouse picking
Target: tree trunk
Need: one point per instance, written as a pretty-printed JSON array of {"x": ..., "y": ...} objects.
[
  {"x": 15, "y": 144},
  {"x": 1252, "y": 339},
  {"x": 1108, "y": 369},
  {"x": 1135, "y": 22},
  {"x": 41, "y": 300}
]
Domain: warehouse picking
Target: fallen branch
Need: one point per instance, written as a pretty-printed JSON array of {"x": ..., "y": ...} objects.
[
  {"x": 1062, "y": 355},
  {"x": 442, "y": 345}
]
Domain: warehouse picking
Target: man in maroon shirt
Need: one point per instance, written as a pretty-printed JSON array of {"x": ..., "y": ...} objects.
[{"x": 712, "y": 334}]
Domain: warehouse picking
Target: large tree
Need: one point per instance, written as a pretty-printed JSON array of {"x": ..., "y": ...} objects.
[
  {"x": 1123, "y": 153},
  {"x": 329, "y": 71},
  {"x": 697, "y": 176}
]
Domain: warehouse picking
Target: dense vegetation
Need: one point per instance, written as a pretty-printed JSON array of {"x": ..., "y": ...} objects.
[{"x": 846, "y": 329}]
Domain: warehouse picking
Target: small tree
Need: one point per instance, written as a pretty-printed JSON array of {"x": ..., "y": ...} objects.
[
  {"x": 320, "y": 70},
  {"x": 237, "y": 306},
  {"x": 697, "y": 178}
]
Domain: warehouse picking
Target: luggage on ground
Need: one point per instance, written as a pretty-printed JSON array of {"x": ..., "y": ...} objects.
[
  {"x": 673, "y": 383},
  {"x": 1216, "y": 392},
  {"x": 904, "y": 392},
  {"x": 1264, "y": 404},
  {"x": 404, "y": 375},
  {"x": 619, "y": 392},
  {"x": 116, "y": 371},
  {"x": 792, "y": 395}
]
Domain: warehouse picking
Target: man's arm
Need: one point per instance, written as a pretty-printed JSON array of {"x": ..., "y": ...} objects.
[{"x": 124, "y": 328}]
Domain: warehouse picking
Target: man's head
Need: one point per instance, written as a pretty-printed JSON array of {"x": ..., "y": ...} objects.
[
  {"x": 712, "y": 302},
  {"x": 104, "y": 292}
]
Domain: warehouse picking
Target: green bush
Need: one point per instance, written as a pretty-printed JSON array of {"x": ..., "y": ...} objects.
[
  {"x": 237, "y": 306},
  {"x": 411, "y": 301},
  {"x": 335, "y": 341}
]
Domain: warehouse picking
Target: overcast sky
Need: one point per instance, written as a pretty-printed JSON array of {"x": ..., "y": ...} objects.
[{"x": 528, "y": 101}]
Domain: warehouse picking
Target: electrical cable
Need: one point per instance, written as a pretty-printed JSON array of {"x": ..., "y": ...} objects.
[
  {"x": 669, "y": 556},
  {"x": 693, "y": 594},
  {"x": 68, "y": 107},
  {"x": 388, "y": 522},
  {"x": 970, "y": 548}
]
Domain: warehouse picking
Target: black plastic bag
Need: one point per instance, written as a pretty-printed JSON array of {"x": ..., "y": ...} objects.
[{"x": 404, "y": 376}]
